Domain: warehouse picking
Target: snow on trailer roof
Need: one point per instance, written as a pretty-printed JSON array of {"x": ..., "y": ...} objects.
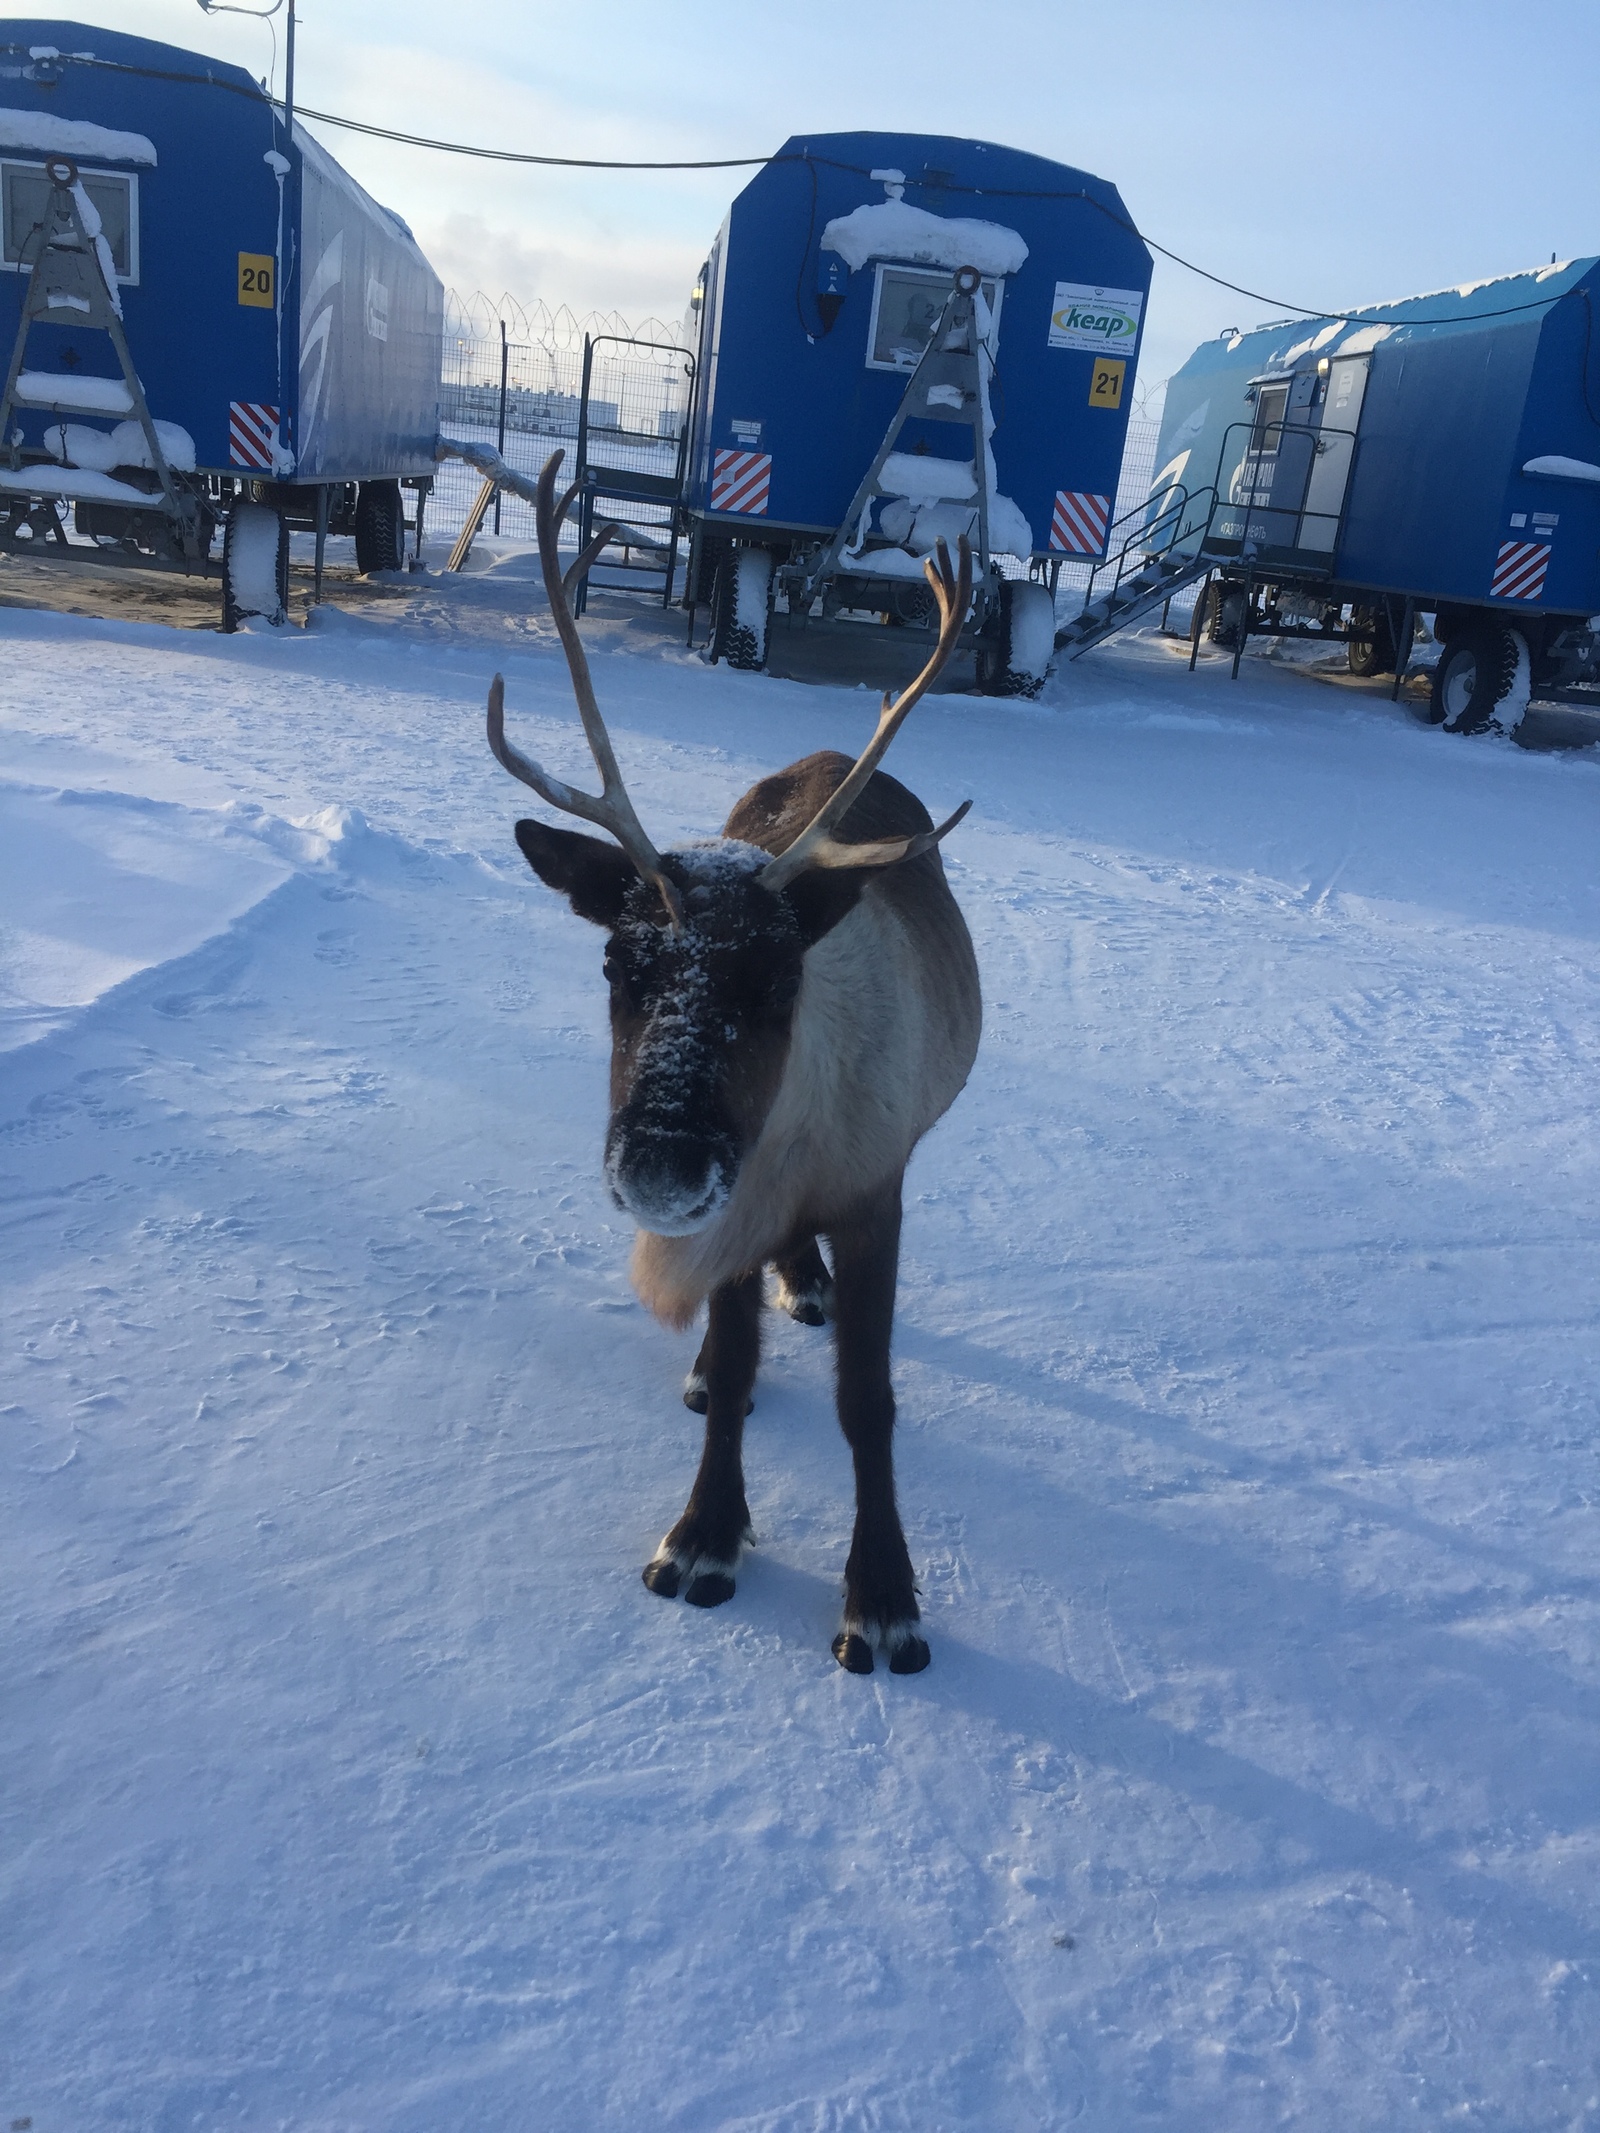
[
  {"x": 894, "y": 229},
  {"x": 42, "y": 133},
  {"x": 335, "y": 174},
  {"x": 1472, "y": 306}
]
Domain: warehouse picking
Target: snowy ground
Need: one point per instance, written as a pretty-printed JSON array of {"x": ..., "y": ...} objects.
[{"x": 350, "y": 1778}]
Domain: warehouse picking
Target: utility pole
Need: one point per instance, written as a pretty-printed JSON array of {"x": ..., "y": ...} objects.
[
  {"x": 261, "y": 14},
  {"x": 288, "y": 77},
  {"x": 500, "y": 441}
]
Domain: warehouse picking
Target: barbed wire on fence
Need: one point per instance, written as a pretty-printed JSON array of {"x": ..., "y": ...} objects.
[
  {"x": 638, "y": 395},
  {"x": 476, "y": 318}
]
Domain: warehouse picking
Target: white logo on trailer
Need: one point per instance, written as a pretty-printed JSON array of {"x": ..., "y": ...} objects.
[{"x": 314, "y": 340}]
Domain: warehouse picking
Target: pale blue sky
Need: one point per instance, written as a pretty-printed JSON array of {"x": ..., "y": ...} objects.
[{"x": 1327, "y": 155}]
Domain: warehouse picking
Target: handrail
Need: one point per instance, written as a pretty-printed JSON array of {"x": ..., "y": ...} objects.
[
  {"x": 1246, "y": 477},
  {"x": 1180, "y": 520},
  {"x": 1155, "y": 538}
]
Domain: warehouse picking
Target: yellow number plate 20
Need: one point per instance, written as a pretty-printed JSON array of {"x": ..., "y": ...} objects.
[
  {"x": 1105, "y": 386},
  {"x": 256, "y": 270}
]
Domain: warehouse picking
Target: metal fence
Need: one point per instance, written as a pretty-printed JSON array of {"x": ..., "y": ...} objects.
[{"x": 526, "y": 367}]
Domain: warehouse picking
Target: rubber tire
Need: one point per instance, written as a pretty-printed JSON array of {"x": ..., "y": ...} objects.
[
  {"x": 1475, "y": 671},
  {"x": 380, "y": 527},
  {"x": 735, "y": 641},
  {"x": 1373, "y": 653},
  {"x": 1224, "y": 610},
  {"x": 1004, "y": 677},
  {"x": 232, "y": 613}
]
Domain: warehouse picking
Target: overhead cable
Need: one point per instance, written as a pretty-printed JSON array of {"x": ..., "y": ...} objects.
[
  {"x": 513, "y": 155},
  {"x": 990, "y": 192}
]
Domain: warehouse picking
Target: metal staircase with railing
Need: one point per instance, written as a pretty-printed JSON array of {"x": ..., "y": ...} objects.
[
  {"x": 1266, "y": 521},
  {"x": 1158, "y": 558}
]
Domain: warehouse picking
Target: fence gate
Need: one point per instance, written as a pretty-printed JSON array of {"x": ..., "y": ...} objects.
[
  {"x": 633, "y": 433},
  {"x": 515, "y": 378}
]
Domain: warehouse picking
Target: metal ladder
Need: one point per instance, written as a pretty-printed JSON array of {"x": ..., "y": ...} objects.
[
  {"x": 71, "y": 282},
  {"x": 946, "y": 386}
]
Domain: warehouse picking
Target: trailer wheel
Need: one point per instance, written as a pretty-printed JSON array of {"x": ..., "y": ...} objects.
[
  {"x": 1371, "y": 647},
  {"x": 255, "y": 565},
  {"x": 741, "y": 601},
  {"x": 1224, "y": 615},
  {"x": 1025, "y": 637},
  {"x": 380, "y": 527},
  {"x": 1477, "y": 670}
]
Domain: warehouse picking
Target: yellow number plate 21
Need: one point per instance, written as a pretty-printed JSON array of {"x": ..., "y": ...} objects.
[
  {"x": 1105, "y": 386},
  {"x": 256, "y": 270}
]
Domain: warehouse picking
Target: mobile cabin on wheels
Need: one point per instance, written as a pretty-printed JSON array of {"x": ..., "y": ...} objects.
[
  {"x": 903, "y": 337},
  {"x": 206, "y": 326},
  {"x": 1438, "y": 456}
]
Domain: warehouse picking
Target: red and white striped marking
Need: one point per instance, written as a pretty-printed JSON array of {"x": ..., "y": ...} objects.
[
  {"x": 252, "y": 433},
  {"x": 1519, "y": 570},
  {"x": 1079, "y": 523},
  {"x": 740, "y": 481}
]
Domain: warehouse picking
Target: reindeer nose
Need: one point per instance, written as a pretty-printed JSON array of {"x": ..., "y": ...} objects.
[{"x": 671, "y": 1183}]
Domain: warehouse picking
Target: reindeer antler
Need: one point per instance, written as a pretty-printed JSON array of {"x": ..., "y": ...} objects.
[
  {"x": 816, "y": 845},
  {"x": 612, "y": 810}
]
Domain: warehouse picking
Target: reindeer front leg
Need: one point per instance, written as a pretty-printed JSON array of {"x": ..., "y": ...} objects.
[
  {"x": 701, "y": 1552},
  {"x": 880, "y": 1601}
]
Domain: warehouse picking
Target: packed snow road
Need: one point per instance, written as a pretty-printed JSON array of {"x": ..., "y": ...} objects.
[{"x": 350, "y": 1778}]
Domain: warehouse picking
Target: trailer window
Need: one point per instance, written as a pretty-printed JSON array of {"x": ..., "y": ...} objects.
[
  {"x": 1271, "y": 401},
  {"x": 25, "y": 194},
  {"x": 905, "y": 309}
]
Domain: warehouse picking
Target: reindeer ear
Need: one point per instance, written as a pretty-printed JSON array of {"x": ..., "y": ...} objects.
[{"x": 592, "y": 875}]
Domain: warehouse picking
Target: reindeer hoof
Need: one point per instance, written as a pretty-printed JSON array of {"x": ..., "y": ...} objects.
[
  {"x": 662, "y": 1576},
  {"x": 910, "y": 1656},
  {"x": 709, "y": 1589},
  {"x": 812, "y": 1305},
  {"x": 853, "y": 1653}
]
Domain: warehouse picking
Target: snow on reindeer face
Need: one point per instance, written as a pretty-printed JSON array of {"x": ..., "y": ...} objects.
[
  {"x": 700, "y": 1016},
  {"x": 700, "y": 1032}
]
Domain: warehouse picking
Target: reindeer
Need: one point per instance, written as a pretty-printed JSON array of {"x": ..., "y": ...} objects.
[{"x": 793, "y": 1005}]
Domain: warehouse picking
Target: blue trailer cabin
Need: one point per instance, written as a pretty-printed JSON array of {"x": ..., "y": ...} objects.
[
  {"x": 1437, "y": 456},
  {"x": 819, "y": 299},
  {"x": 284, "y": 328}
]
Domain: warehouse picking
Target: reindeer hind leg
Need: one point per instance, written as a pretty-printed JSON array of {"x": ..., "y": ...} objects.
[{"x": 805, "y": 1287}]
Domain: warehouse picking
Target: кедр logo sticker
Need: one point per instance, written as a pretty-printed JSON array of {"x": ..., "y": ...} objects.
[{"x": 1094, "y": 319}]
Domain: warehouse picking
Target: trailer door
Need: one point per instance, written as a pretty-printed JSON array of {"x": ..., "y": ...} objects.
[
  {"x": 1270, "y": 479},
  {"x": 1330, "y": 476}
]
